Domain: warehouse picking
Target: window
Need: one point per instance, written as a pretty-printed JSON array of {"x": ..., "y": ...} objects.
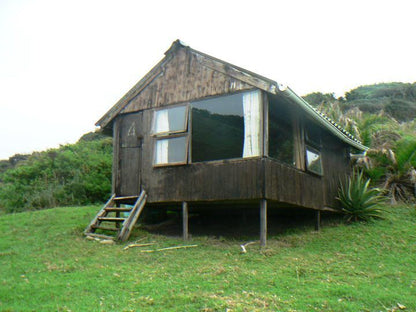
[
  {"x": 313, "y": 148},
  {"x": 171, "y": 120},
  {"x": 313, "y": 160},
  {"x": 281, "y": 138},
  {"x": 170, "y": 131},
  {"x": 226, "y": 127}
]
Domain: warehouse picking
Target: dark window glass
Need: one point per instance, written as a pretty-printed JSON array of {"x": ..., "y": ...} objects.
[
  {"x": 313, "y": 134},
  {"x": 218, "y": 128},
  {"x": 280, "y": 134}
]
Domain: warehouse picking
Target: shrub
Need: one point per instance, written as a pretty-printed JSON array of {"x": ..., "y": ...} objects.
[
  {"x": 73, "y": 174},
  {"x": 358, "y": 201}
]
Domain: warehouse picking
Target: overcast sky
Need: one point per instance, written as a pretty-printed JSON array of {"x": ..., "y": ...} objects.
[{"x": 63, "y": 64}]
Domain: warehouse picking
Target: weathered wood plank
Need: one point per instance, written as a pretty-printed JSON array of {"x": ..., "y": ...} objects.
[
  {"x": 133, "y": 217},
  {"x": 111, "y": 219},
  {"x": 317, "y": 220},
  {"x": 290, "y": 185},
  {"x": 184, "y": 79},
  {"x": 185, "y": 221},
  {"x": 217, "y": 180},
  {"x": 117, "y": 209},
  {"x": 263, "y": 222}
]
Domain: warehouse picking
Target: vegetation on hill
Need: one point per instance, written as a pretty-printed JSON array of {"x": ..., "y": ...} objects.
[
  {"x": 341, "y": 268},
  {"x": 383, "y": 117},
  {"x": 396, "y": 99},
  {"x": 73, "y": 174}
]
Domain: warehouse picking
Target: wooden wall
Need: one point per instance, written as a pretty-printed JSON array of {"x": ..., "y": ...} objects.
[
  {"x": 232, "y": 179},
  {"x": 336, "y": 165},
  {"x": 183, "y": 79},
  {"x": 217, "y": 180},
  {"x": 212, "y": 181},
  {"x": 289, "y": 185}
]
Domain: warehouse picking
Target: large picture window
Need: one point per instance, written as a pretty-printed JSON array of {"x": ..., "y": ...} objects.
[
  {"x": 171, "y": 136},
  {"x": 226, "y": 127},
  {"x": 281, "y": 138}
]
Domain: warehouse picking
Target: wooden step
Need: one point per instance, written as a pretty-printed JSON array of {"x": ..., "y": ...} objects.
[
  {"x": 105, "y": 228},
  {"x": 117, "y": 209},
  {"x": 123, "y": 226},
  {"x": 120, "y": 198},
  {"x": 111, "y": 219},
  {"x": 99, "y": 236}
]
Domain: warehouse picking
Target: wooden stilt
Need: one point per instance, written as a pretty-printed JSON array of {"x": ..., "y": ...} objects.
[
  {"x": 185, "y": 218},
  {"x": 317, "y": 220},
  {"x": 263, "y": 222}
]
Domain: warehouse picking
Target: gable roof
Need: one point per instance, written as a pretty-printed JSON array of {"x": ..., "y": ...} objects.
[{"x": 236, "y": 72}]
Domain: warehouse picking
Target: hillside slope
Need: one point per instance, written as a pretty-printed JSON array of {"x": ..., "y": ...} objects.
[{"x": 47, "y": 265}]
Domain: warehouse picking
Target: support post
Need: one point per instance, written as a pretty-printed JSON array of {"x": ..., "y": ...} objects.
[
  {"x": 263, "y": 222},
  {"x": 185, "y": 217},
  {"x": 317, "y": 220}
]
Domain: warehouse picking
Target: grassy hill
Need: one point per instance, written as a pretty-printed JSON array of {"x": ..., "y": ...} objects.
[{"x": 47, "y": 265}]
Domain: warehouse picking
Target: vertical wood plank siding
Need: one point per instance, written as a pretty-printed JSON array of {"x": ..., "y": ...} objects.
[
  {"x": 336, "y": 166},
  {"x": 232, "y": 180},
  {"x": 289, "y": 185},
  {"x": 183, "y": 79}
]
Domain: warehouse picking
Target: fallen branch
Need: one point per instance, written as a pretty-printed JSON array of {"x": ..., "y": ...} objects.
[
  {"x": 169, "y": 248},
  {"x": 137, "y": 245},
  {"x": 243, "y": 246}
]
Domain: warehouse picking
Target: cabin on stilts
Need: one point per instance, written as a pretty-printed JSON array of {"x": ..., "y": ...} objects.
[{"x": 199, "y": 131}]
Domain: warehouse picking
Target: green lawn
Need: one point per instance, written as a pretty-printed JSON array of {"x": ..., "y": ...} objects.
[{"x": 47, "y": 265}]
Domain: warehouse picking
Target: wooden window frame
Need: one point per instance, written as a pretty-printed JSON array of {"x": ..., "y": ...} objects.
[
  {"x": 313, "y": 146},
  {"x": 167, "y": 133},
  {"x": 263, "y": 130},
  {"x": 171, "y": 135}
]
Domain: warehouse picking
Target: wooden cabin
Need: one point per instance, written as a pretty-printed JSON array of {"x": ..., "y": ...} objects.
[{"x": 199, "y": 131}]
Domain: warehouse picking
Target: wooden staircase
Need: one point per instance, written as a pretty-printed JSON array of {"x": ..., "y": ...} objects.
[{"x": 112, "y": 217}]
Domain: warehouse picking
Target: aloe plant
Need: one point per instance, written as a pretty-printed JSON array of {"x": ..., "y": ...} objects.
[{"x": 358, "y": 201}]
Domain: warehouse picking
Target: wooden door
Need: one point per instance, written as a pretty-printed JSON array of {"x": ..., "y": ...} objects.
[{"x": 130, "y": 155}]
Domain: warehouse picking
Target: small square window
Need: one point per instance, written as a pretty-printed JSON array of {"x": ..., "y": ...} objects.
[{"x": 313, "y": 160}]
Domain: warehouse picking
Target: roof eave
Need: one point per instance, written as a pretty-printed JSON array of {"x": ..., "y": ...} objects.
[{"x": 286, "y": 91}]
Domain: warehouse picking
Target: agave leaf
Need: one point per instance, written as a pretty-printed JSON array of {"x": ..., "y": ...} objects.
[{"x": 358, "y": 200}]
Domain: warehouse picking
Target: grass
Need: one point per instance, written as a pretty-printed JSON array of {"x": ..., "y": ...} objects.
[{"x": 47, "y": 265}]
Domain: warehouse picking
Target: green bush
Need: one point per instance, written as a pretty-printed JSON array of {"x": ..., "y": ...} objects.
[
  {"x": 74, "y": 174},
  {"x": 358, "y": 201}
]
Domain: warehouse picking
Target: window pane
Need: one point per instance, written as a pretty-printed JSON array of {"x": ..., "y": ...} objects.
[
  {"x": 280, "y": 133},
  {"x": 170, "y": 151},
  {"x": 313, "y": 160},
  {"x": 170, "y": 120},
  {"x": 218, "y": 128},
  {"x": 313, "y": 134}
]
